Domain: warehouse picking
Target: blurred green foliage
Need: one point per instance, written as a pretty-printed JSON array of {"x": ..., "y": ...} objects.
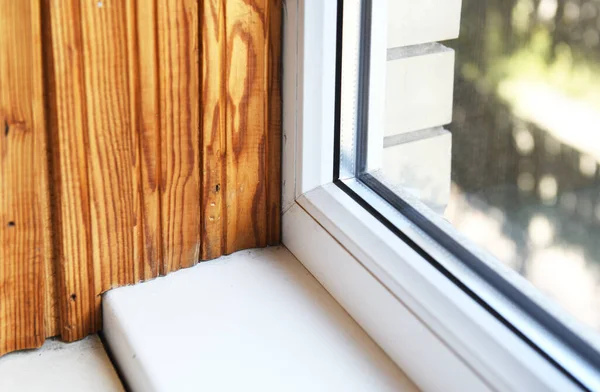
[
  {"x": 555, "y": 42},
  {"x": 549, "y": 43}
]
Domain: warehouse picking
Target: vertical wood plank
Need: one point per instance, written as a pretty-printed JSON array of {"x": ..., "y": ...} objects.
[
  {"x": 274, "y": 122},
  {"x": 111, "y": 150},
  {"x": 24, "y": 214},
  {"x": 214, "y": 147},
  {"x": 245, "y": 186},
  {"x": 41, "y": 46},
  {"x": 76, "y": 291},
  {"x": 178, "y": 42},
  {"x": 241, "y": 125},
  {"x": 145, "y": 130}
]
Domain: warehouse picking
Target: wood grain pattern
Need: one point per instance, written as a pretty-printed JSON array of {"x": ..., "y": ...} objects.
[
  {"x": 42, "y": 115},
  {"x": 111, "y": 150},
  {"x": 273, "y": 126},
  {"x": 245, "y": 186},
  {"x": 178, "y": 42},
  {"x": 142, "y": 136},
  {"x": 24, "y": 215},
  {"x": 241, "y": 124},
  {"x": 76, "y": 290},
  {"x": 214, "y": 149},
  {"x": 145, "y": 125}
]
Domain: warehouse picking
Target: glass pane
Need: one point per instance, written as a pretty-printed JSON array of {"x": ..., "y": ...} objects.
[{"x": 499, "y": 132}]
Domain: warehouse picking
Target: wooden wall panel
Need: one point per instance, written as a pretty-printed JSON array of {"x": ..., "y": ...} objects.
[
  {"x": 214, "y": 98},
  {"x": 25, "y": 246},
  {"x": 145, "y": 125},
  {"x": 273, "y": 126},
  {"x": 246, "y": 130},
  {"x": 42, "y": 115},
  {"x": 241, "y": 124},
  {"x": 179, "y": 69},
  {"x": 143, "y": 137},
  {"x": 76, "y": 291},
  {"x": 111, "y": 148}
]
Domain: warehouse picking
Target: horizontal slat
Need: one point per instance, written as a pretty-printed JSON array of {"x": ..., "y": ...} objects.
[
  {"x": 412, "y": 22},
  {"x": 419, "y": 88}
]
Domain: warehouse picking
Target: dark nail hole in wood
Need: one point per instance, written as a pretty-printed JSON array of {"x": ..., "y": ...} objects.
[
  {"x": 218, "y": 187},
  {"x": 6, "y": 128},
  {"x": 73, "y": 297},
  {"x": 11, "y": 224}
]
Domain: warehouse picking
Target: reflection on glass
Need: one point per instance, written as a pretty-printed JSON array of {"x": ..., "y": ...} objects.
[{"x": 525, "y": 178}]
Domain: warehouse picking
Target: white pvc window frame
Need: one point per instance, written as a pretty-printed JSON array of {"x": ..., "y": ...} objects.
[{"x": 437, "y": 334}]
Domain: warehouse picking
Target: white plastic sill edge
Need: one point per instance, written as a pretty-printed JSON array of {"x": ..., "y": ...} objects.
[
  {"x": 256, "y": 320},
  {"x": 438, "y": 335}
]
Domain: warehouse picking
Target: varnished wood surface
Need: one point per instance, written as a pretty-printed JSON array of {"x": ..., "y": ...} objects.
[
  {"x": 273, "y": 126},
  {"x": 76, "y": 291},
  {"x": 111, "y": 149},
  {"x": 145, "y": 124},
  {"x": 214, "y": 98},
  {"x": 241, "y": 124},
  {"x": 144, "y": 137},
  {"x": 179, "y": 68},
  {"x": 25, "y": 246}
]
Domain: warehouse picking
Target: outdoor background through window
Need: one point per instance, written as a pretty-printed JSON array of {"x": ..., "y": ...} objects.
[{"x": 517, "y": 170}]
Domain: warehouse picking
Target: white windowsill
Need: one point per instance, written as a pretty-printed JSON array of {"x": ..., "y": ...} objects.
[
  {"x": 422, "y": 321},
  {"x": 256, "y": 320},
  {"x": 60, "y": 367}
]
